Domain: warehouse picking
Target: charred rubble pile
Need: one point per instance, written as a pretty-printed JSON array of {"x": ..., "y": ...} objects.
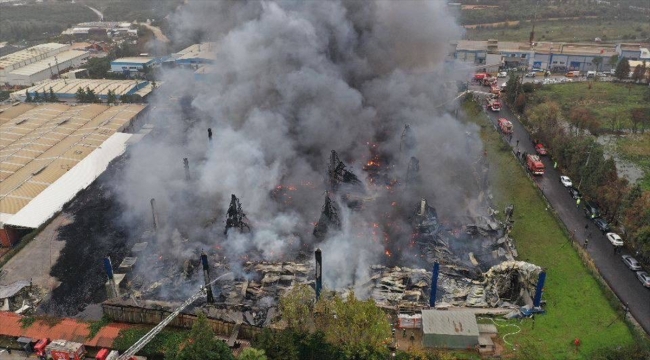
[
  {"x": 19, "y": 297},
  {"x": 475, "y": 253}
]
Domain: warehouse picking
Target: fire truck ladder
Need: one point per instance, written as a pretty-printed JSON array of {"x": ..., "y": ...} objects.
[{"x": 158, "y": 328}]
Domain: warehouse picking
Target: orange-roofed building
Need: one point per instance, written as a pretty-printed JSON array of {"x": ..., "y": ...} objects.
[{"x": 67, "y": 329}]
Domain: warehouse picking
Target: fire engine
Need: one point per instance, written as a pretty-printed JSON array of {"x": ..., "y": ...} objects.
[
  {"x": 494, "y": 104},
  {"x": 540, "y": 149},
  {"x": 65, "y": 350},
  {"x": 505, "y": 125},
  {"x": 535, "y": 165}
]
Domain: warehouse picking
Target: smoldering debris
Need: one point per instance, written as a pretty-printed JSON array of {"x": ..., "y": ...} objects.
[{"x": 20, "y": 297}]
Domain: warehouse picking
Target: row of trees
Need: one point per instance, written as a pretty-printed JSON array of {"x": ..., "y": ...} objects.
[
  {"x": 88, "y": 96},
  {"x": 582, "y": 158},
  {"x": 38, "y": 97}
]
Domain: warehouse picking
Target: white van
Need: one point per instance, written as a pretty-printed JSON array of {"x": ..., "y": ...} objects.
[{"x": 591, "y": 74}]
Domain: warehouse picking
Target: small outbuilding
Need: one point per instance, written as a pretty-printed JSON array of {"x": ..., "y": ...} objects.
[{"x": 449, "y": 329}]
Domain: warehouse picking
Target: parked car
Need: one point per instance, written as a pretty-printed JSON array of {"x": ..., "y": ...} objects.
[
  {"x": 631, "y": 262},
  {"x": 540, "y": 149},
  {"x": 575, "y": 193},
  {"x": 566, "y": 181},
  {"x": 591, "y": 210},
  {"x": 530, "y": 75},
  {"x": 602, "y": 225},
  {"x": 502, "y": 74},
  {"x": 615, "y": 239},
  {"x": 644, "y": 278}
]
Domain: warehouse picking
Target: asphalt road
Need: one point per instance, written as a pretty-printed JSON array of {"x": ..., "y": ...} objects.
[{"x": 620, "y": 278}]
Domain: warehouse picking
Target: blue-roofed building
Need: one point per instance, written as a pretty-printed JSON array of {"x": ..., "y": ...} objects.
[
  {"x": 131, "y": 65},
  {"x": 196, "y": 55}
]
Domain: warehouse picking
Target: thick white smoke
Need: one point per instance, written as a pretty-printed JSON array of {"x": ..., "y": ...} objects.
[{"x": 292, "y": 81}]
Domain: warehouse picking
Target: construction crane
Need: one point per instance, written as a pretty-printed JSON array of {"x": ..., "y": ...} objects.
[{"x": 158, "y": 328}]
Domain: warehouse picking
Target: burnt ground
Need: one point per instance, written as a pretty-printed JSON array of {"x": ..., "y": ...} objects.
[{"x": 88, "y": 239}]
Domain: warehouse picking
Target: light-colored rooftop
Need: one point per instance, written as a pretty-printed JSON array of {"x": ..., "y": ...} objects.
[
  {"x": 49, "y": 62},
  {"x": 40, "y": 145},
  {"x": 133, "y": 60},
  {"x": 70, "y": 86},
  {"x": 541, "y": 47},
  {"x": 449, "y": 322},
  {"x": 29, "y": 53},
  {"x": 206, "y": 50}
]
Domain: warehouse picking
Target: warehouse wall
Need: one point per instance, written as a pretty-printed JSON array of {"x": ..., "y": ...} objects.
[{"x": 449, "y": 341}]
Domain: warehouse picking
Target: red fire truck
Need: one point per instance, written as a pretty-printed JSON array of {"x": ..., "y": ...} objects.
[
  {"x": 535, "y": 165},
  {"x": 65, "y": 350},
  {"x": 494, "y": 104},
  {"x": 505, "y": 125}
]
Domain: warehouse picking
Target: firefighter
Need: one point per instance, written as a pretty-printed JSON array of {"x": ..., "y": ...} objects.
[{"x": 578, "y": 203}]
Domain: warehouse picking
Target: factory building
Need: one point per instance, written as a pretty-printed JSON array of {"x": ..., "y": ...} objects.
[
  {"x": 66, "y": 89},
  {"x": 449, "y": 329},
  {"x": 51, "y": 152},
  {"x": 22, "y": 58},
  {"x": 131, "y": 65},
  {"x": 491, "y": 55},
  {"x": 195, "y": 55},
  {"x": 46, "y": 68}
]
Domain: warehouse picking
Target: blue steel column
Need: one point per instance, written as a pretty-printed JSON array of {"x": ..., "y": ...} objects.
[
  {"x": 538, "y": 292},
  {"x": 434, "y": 284}
]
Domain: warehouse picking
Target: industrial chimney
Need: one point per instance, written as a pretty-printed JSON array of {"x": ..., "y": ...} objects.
[
  {"x": 186, "y": 163},
  {"x": 538, "y": 291},
  {"x": 210, "y": 134},
  {"x": 153, "y": 214},
  {"x": 206, "y": 277},
  {"x": 434, "y": 284},
  {"x": 319, "y": 273}
]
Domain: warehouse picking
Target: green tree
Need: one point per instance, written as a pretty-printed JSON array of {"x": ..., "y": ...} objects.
[
  {"x": 622, "y": 69},
  {"x": 202, "y": 343},
  {"x": 28, "y": 96},
  {"x": 357, "y": 327},
  {"x": 52, "y": 97},
  {"x": 613, "y": 61},
  {"x": 520, "y": 103},
  {"x": 80, "y": 95},
  {"x": 45, "y": 96},
  {"x": 296, "y": 307},
  {"x": 111, "y": 98},
  {"x": 91, "y": 97},
  {"x": 597, "y": 61},
  {"x": 252, "y": 354},
  {"x": 37, "y": 97},
  {"x": 583, "y": 119},
  {"x": 278, "y": 345},
  {"x": 638, "y": 74},
  {"x": 512, "y": 87}
]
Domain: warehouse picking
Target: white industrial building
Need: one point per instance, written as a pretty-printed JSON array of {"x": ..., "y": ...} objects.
[
  {"x": 13, "y": 61},
  {"x": 46, "y": 68},
  {"x": 38, "y": 63},
  {"x": 131, "y": 64}
]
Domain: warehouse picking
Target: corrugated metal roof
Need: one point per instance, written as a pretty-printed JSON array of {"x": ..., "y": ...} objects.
[
  {"x": 67, "y": 329},
  {"x": 42, "y": 145},
  {"x": 70, "y": 86},
  {"x": 7, "y": 291},
  {"x": 29, "y": 53},
  {"x": 77, "y": 178},
  {"x": 133, "y": 60},
  {"x": 49, "y": 62},
  {"x": 449, "y": 322},
  {"x": 206, "y": 50}
]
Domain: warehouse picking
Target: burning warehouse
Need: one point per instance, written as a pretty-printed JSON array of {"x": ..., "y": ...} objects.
[{"x": 290, "y": 84}]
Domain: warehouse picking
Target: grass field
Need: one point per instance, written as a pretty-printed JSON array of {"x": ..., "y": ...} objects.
[
  {"x": 576, "y": 306},
  {"x": 566, "y": 30},
  {"x": 636, "y": 149},
  {"x": 610, "y": 101}
]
